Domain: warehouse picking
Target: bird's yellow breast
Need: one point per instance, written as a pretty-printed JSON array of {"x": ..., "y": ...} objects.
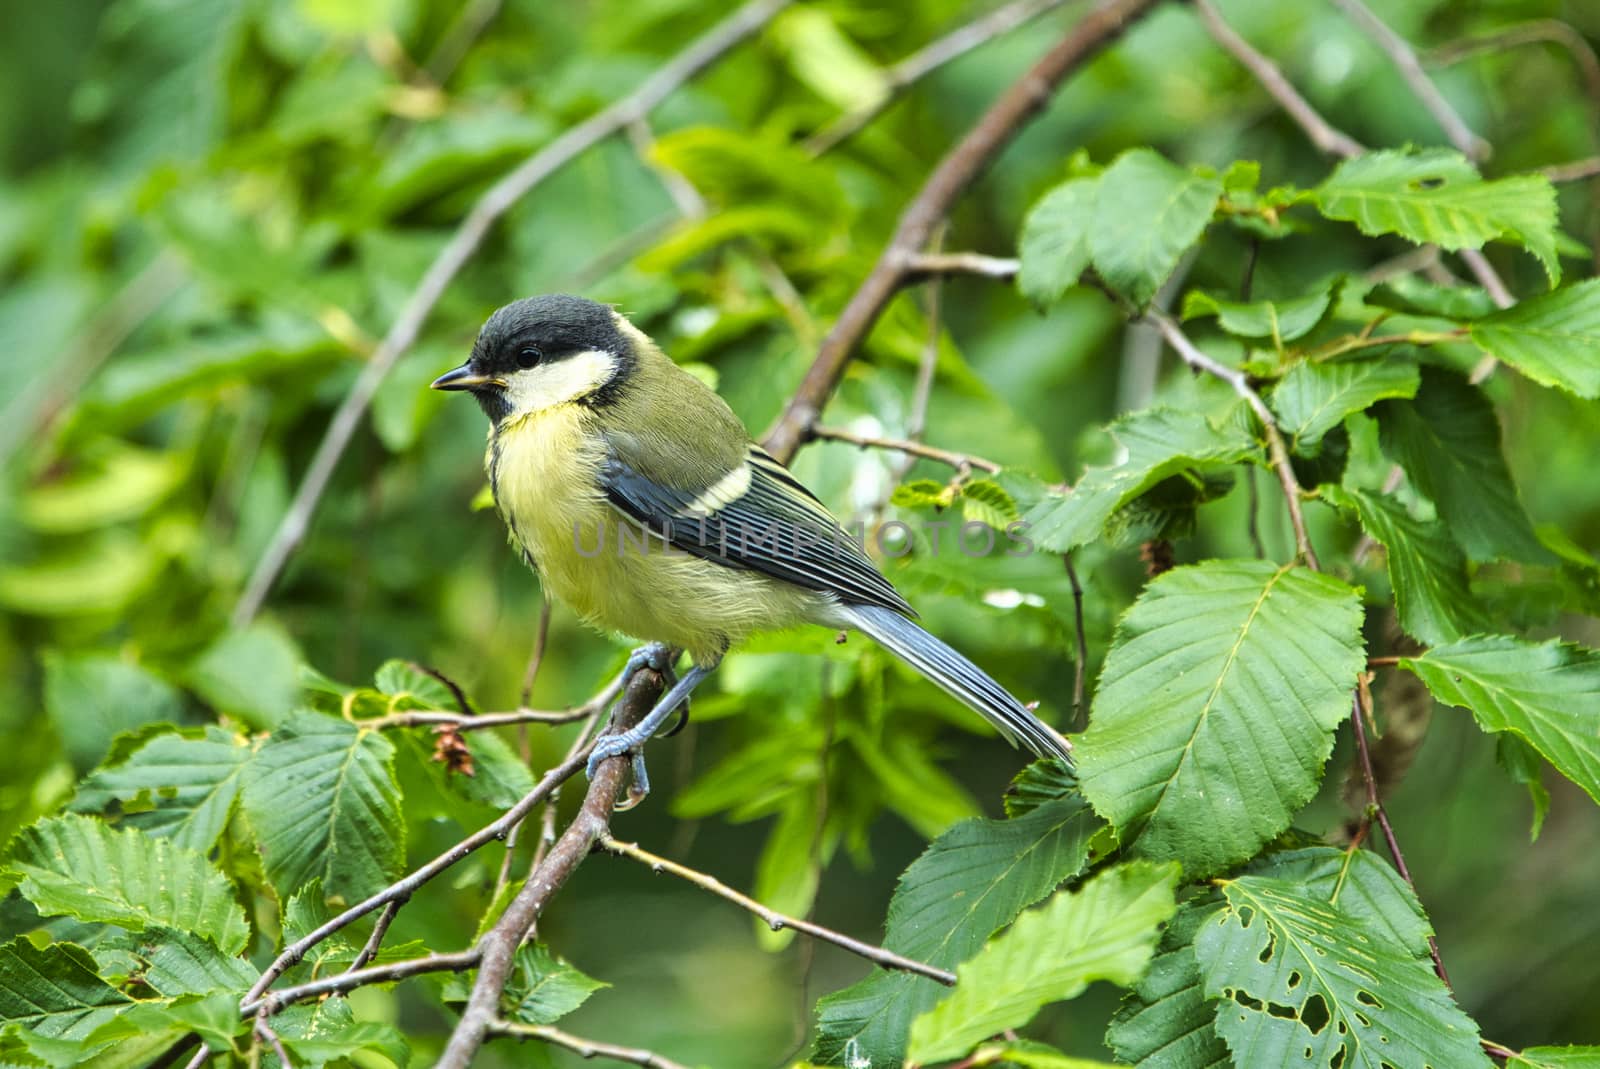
[{"x": 545, "y": 470}]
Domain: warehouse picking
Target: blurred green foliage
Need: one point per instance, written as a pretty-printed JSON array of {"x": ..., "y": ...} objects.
[{"x": 212, "y": 209}]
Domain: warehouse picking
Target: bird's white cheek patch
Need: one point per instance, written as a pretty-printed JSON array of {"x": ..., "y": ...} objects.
[{"x": 560, "y": 381}]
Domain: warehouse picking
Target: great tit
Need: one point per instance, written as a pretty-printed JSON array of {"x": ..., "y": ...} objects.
[{"x": 641, "y": 501}]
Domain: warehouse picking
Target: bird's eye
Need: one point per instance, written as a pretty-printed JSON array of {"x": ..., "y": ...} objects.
[{"x": 529, "y": 356}]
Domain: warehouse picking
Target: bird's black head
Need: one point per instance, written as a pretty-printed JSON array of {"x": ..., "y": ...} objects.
[{"x": 543, "y": 351}]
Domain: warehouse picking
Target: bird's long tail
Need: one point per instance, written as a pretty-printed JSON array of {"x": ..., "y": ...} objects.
[{"x": 959, "y": 678}]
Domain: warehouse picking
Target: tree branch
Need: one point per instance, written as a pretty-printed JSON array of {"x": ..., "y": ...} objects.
[
  {"x": 927, "y": 265},
  {"x": 775, "y": 920},
  {"x": 584, "y": 1048},
  {"x": 1539, "y": 31},
  {"x": 955, "y": 172},
  {"x": 463, "y": 244},
  {"x": 339, "y": 983},
  {"x": 1322, "y": 133},
  {"x": 962, "y": 462},
  {"x": 590, "y": 825},
  {"x": 912, "y": 69},
  {"x": 1576, "y": 171}
]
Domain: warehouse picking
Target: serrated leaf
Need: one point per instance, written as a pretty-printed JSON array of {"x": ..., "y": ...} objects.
[
  {"x": 1166, "y": 1021},
  {"x": 1044, "y": 780},
  {"x": 54, "y": 991},
  {"x": 1305, "y": 982},
  {"x": 1415, "y": 295},
  {"x": 1103, "y": 931},
  {"x": 1436, "y": 197},
  {"x": 1281, "y": 320},
  {"x": 1553, "y": 339},
  {"x": 185, "y": 787},
  {"x": 1448, "y": 440},
  {"x": 543, "y": 989},
  {"x": 972, "y": 880},
  {"x": 987, "y": 502},
  {"x": 1428, "y": 571},
  {"x": 1148, "y": 211},
  {"x": 1216, "y": 708},
  {"x": 214, "y": 1018},
  {"x": 1157, "y": 443},
  {"x": 84, "y": 868},
  {"x": 322, "y": 798},
  {"x": 182, "y": 963},
  {"x": 922, "y": 493},
  {"x": 328, "y": 1032},
  {"x": 1054, "y": 247},
  {"x": 1547, "y": 694},
  {"x": 1312, "y": 399},
  {"x": 409, "y": 687}
]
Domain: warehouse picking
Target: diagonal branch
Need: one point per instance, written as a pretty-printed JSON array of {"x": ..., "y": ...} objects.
[
  {"x": 775, "y": 920},
  {"x": 584, "y": 1048},
  {"x": 462, "y": 246},
  {"x": 956, "y": 171}
]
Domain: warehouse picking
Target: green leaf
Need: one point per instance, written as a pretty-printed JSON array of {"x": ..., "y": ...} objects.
[
  {"x": 1553, "y": 339},
  {"x": 542, "y": 988},
  {"x": 1427, "y": 570},
  {"x": 1448, "y": 441},
  {"x": 972, "y": 880},
  {"x": 1312, "y": 399},
  {"x": 1436, "y": 197},
  {"x": 1216, "y": 708},
  {"x": 92, "y": 699},
  {"x": 1147, "y": 213},
  {"x": 1306, "y": 982},
  {"x": 409, "y": 687},
  {"x": 1103, "y": 931},
  {"x": 1522, "y": 764},
  {"x": 1415, "y": 295},
  {"x": 54, "y": 992},
  {"x": 1045, "y": 780},
  {"x": 322, "y": 797},
  {"x": 1546, "y": 694},
  {"x": 1025, "y": 1054},
  {"x": 826, "y": 61},
  {"x": 253, "y": 673},
  {"x": 1556, "y": 1058},
  {"x": 173, "y": 785},
  {"x": 182, "y": 963},
  {"x": 329, "y": 1032},
  {"x": 214, "y": 1018},
  {"x": 1054, "y": 247},
  {"x": 1158, "y": 443},
  {"x": 120, "y": 483},
  {"x": 80, "y": 866},
  {"x": 789, "y": 870},
  {"x": 1277, "y": 320},
  {"x": 1167, "y": 1022}
]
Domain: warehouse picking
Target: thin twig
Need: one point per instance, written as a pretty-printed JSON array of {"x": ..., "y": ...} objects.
[
  {"x": 1081, "y": 657},
  {"x": 541, "y": 638},
  {"x": 584, "y": 1048},
  {"x": 457, "y": 252},
  {"x": 962, "y": 462},
  {"x": 466, "y": 722},
  {"x": 1323, "y": 134},
  {"x": 375, "y": 940},
  {"x": 981, "y": 145},
  {"x": 200, "y": 1058},
  {"x": 1576, "y": 171},
  {"x": 589, "y": 826},
  {"x": 929, "y": 265},
  {"x": 917, "y": 66},
  {"x": 1376, "y": 811},
  {"x": 458, "y": 37},
  {"x": 274, "y": 1001},
  {"x": 268, "y": 1035},
  {"x": 1545, "y": 31},
  {"x": 775, "y": 920},
  {"x": 1277, "y": 452},
  {"x": 1404, "y": 57}
]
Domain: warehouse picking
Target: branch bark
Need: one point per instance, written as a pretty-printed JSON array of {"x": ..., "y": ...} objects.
[
  {"x": 462, "y": 246},
  {"x": 955, "y": 172},
  {"x": 584, "y": 1048}
]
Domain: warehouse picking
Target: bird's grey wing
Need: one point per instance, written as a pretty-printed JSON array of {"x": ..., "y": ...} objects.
[{"x": 757, "y": 516}]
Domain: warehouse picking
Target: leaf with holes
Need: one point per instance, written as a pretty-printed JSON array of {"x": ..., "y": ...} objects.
[
  {"x": 82, "y": 867},
  {"x": 1167, "y": 1022},
  {"x": 174, "y": 785},
  {"x": 1546, "y": 694},
  {"x": 1304, "y": 982},
  {"x": 1432, "y": 595},
  {"x": 1553, "y": 339},
  {"x": 323, "y": 800},
  {"x": 1054, "y": 248},
  {"x": 1103, "y": 931},
  {"x": 1148, "y": 212},
  {"x": 971, "y": 881},
  {"x": 1313, "y": 399},
  {"x": 1436, "y": 197},
  {"x": 1447, "y": 439},
  {"x": 1216, "y": 708},
  {"x": 1157, "y": 443}
]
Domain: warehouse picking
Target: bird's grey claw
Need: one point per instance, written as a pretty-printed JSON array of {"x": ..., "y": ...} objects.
[{"x": 608, "y": 746}]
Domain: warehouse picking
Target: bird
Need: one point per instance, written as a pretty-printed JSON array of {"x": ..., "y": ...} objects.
[{"x": 642, "y": 502}]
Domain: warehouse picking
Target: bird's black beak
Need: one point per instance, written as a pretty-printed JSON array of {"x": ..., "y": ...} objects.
[{"x": 464, "y": 378}]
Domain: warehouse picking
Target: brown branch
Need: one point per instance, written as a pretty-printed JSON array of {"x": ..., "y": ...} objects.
[
  {"x": 379, "y": 930},
  {"x": 584, "y": 1048},
  {"x": 777, "y": 921},
  {"x": 268, "y": 1035},
  {"x": 912, "y": 69},
  {"x": 274, "y": 1001},
  {"x": 962, "y": 462},
  {"x": 590, "y": 825},
  {"x": 1404, "y": 57},
  {"x": 457, "y": 252},
  {"x": 1080, "y": 666},
  {"x": 467, "y": 722},
  {"x": 1323, "y": 134},
  {"x": 955, "y": 172},
  {"x": 1576, "y": 171},
  {"x": 200, "y": 1058},
  {"x": 1375, "y": 811}
]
